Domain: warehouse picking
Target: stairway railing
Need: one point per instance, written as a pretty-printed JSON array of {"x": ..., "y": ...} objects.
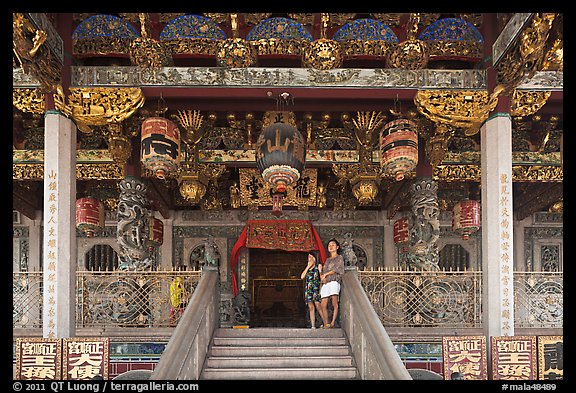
[
  {"x": 186, "y": 351},
  {"x": 374, "y": 353}
]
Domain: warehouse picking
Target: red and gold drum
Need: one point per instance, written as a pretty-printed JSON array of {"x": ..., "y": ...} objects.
[
  {"x": 466, "y": 218},
  {"x": 89, "y": 215},
  {"x": 399, "y": 148},
  {"x": 160, "y": 146}
]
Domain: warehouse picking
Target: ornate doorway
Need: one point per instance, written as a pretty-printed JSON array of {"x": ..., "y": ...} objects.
[{"x": 277, "y": 290}]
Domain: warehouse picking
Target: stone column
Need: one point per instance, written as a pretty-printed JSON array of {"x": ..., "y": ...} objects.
[
  {"x": 497, "y": 231},
  {"x": 59, "y": 240},
  {"x": 166, "y": 247},
  {"x": 34, "y": 247},
  {"x": 390, "y": 250}
]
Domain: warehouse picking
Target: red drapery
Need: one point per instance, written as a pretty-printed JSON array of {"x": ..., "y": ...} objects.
[{"x": 288, "y": 235}]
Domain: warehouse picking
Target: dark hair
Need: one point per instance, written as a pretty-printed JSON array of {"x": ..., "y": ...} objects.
[
  {"x": 314, "y": 253},
  {"x": 335, "y": 241}
]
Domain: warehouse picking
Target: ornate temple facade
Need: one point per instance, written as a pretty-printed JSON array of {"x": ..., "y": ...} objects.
[{"x": 151, "y": 148}]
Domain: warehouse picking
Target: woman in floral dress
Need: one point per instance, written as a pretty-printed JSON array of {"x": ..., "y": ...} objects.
[{"x": 311, "y": 276}]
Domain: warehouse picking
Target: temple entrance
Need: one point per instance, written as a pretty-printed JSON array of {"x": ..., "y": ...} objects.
[{"x": 277, "y": 290}]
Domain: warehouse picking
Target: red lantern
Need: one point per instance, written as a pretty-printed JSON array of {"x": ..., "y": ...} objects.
[
  {"x": 280, "y": 154},
  {"x": 160, "y": 146},
  {"x": 89, "y": 215},
  {"x": 466, "y": 218},
  {"x": 156, "y": 232},
  {"x": 399, "y": 148}
]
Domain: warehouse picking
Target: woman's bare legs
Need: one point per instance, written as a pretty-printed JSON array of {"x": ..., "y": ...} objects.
[
  {"x": 324, "y": 310},
  {"x": 312, "y": 314},
  {"x": 334, "y": 307}
]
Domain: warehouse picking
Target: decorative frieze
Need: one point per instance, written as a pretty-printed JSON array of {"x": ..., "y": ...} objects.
[{"x": 83, "y": 76}]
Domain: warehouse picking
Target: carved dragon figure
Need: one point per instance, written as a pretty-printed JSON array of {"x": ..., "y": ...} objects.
[{"x": 132, "y": 227}]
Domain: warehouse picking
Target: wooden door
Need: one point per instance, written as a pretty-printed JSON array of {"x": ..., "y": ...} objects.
[{"x": 277, "y": 289}]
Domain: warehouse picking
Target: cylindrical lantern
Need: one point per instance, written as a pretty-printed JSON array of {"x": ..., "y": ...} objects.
[
  {"x": 89, "y": 215},
  {"x": 466, "y": 218},
  {"x": 160, "y": 146},
  {"x": 399, "y": 148},
  {"x": 280, "y": 151},
  {"x": 156, "y": 232},
  {"x": 280, "y": 154}
]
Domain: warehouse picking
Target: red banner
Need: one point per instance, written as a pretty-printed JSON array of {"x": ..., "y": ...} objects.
[
  {"x": 38, "y": 358},
  {"x": 287, "y": 235},
  {"x": 514, "y": 357},
  {"x": 84, "y": 358},
  {"x": 465, "y": 355}
]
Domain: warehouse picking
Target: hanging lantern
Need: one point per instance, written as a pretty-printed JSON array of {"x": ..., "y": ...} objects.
[
  {"x": 280, "y": 152},
  {"x": 156, "y": 232},
  {"x": 89, "y": 215},
  {"x": 466, "y": 217},
  {"x": 160, "y": 146},
  {"x": 399, "y": 148}
]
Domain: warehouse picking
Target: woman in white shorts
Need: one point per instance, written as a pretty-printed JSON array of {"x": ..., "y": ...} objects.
[{"x": 331, "y": 279}]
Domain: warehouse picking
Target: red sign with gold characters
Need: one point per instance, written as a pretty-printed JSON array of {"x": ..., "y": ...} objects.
[
  {"x": 84, "y": 358},
  {"x": 550, "y": 357},
  {"x": 38, "y": 358},
  {"x": 514, "y": 357},
  {"x": 465, "y": 355}
]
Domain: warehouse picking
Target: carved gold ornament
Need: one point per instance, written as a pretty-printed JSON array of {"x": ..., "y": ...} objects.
[
  {"x": 457, "y": 108},
  {"x": 29, "y": 100},
  {"x": 366, "y": 188},
  {"x": 523, "y": 60},
  {"x": 525, "y": 103},
  {"x": 411, "y": 54},
  {"x": 191, "y": 188},
  {"x": 120, "y": 148},
  {"x": 33, "y": 55},
  {"x": 323, "y": 53},
  {"x": 191, "y": 121},
  {"x": 235, "y": 53},
  {"x": 255, "y": 192},
  {"x": 366, "y": 126},
  {"x": 148, "y": 53},
  {"x": 100, "y": 106}
]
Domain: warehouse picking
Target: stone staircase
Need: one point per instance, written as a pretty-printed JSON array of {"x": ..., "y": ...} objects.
[{"x": 279, "y": 353}]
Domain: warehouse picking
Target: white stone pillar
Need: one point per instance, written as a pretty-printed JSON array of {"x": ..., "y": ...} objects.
[
  {"x": 497, "y": 228},
  {"x": 59, "y": 240},
  {"x": 390, "y": 249},
  {"x": 166, "y": 254},
  {"x": 34, "y": 246}
]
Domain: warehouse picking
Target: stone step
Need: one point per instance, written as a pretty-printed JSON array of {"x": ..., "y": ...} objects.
[
  {"x": 314, "y": 350},
  {"x": 279, "y": 361},
  {"x": 279, "y": 332},
  {"x": 280, "y": 373},
  {"x": 279, "y": 341},
  {"x": 279, "y": 353}
]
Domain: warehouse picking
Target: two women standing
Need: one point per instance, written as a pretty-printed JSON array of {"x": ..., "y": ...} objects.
[{"x": 327, "y": 278}]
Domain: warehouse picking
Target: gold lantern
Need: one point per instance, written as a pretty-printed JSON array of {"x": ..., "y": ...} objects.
[
  {"x": 191, "y": 188},
  {"x": 366, "y": 188}
]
